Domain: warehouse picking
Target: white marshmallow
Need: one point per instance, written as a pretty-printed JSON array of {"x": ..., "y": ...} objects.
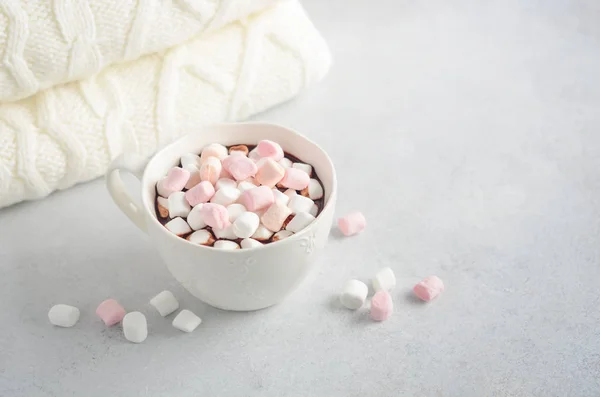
[
  {"x": 194, "y": 176},
  {"x": 315, "y": 190},
  {"x": 304, "y": 167},
  {"x": 245, "y": 185},
  {"x": 194, "y": 219},
  {"x": 262, "y": 233},
  {"x": 161, "y": 190},
  {"x": 226, "y": 245},
  {"x": 165, "y": 303},
  {"x": 190, "y": 159},
  {"x": 163, "y": 204},
  {"x": 178, "y": 205},
  {"x": 290, "y": 193},
  {"x": 281, "y": 197},
  {"x": 285, "y": 162},
  {"x": 226, "y": 195},
  {"x": 314, "y": 210},
  {"x": 251, "y": 243},
  {"x": 63, "y": 315},
  {"x": 299, "y": 222},
  {"x": 280, "y": 235},
  {"x": 226, "y": 233},
  {"x": 299, "y": 204},
  {"x": 186, "y": 321},
  {"x": 201, "y": 237},
  {"x": 221, "y": 183},
  {"x": 253, "y": 155},
  {"x": 178, "y": 226},
  {"x": 384, "y": 280},
  {"x": 246, "y": 224},
  {"x": 354, "y": 294},
  {"x": 214, "y": 149},
  {"x": 235, "y": 210},
  {"x": 135, "y": 327},
  {"x": 260, "y": 162}
]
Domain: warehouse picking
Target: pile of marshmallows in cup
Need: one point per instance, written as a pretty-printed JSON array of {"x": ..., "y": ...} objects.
[{"x": 227, "y": 198}]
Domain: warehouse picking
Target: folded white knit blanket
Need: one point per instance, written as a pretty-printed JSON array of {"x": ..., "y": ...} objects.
[{"x": 70, "y": 133}]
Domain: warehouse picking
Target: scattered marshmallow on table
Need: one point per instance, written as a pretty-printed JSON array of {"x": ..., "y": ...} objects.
[
  {"x": 194, "y": 218},
  {"x": 295, "y": 179},
  {"x": 178, "y": 205},
  {"x": 300, "y": 203},
  {"x": 304, "y": 167},
  {"x": 178, "y": 226},
  {"x": 226, "y": 196},
  {"x": 246, "y": 224},
  {"x": 201, "y": 237},
  {"x": 382, "y": 306},
  {"x": 110, "y": 311},
  {"x": 384, "y": 280},
  {"x": 135, "y": 327},
  {"x": 354, "y": 294},
  {"x": 63, "y": 315},
  {"x": 352, "y": 223},
  {"x": 299, "y": 222},
  {"x": 429, "y": 288},
  {"x": 165, "y": 303},
  {"x": 215, "y": 215},
  {"x": 186, "y": 321},
  {"x": 226, "y": 245},
  {"x": 250, "y": 243}
]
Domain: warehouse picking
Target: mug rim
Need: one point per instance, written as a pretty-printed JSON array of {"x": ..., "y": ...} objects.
[{"x": 296, "y": 236}]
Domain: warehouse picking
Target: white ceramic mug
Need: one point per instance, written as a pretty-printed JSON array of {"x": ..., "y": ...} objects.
[{"x": 245, "y": 279}]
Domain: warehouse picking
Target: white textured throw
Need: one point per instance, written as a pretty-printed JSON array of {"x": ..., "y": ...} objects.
[{"x": 70, "y": 133}]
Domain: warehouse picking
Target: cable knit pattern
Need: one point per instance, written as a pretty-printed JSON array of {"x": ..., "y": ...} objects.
[
  {"x": 50, "y": 42},
  {"x": 70, "y": 133}
]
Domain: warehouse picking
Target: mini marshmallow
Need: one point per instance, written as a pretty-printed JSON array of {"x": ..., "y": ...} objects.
[
  {"x": 213, "y": 150},
  {"x": 304, "y": 167},
  {"x": 201, "y": 193},
  {"x": 275, "y": 216},
  {"x": 250, "y": 243},
  {"x": 224, "y": 173},
  {"x": 295, "y": 179},
  {"x": 194, "y": 176},
  {"x": 194, "y": 218},
  {"x": 110, "y": 311},
  {"x": 135, "y": 327},
  {"x": 352, "y": 223},
  {"x": 266, "y": 148},
  {"x": 269, "y": 173},
  {"x": 384, "y": 280},
  {"x": 215, "y": 215},
  {"x": 253, "y": 155},
  {"x": 190, "y": 159},
  {"x": 165, "y": 303},
  {"x": 178, "y": 205},
  {"x": 354, "y": 294},
  {"x": 290, "y": 193},
  {"x": 226, "y": 245},
  {"x": 225, "y": 233},
  {"x": 258, "y": 198},
  {"x": 63, "y": 315},
  {"x": 178, "y": 226},
  {"x": 241, "y": 167},
  {"x": 282, "y": 235},
  {"x": 381, "y": 306},
  {"x": 262, "y": 233},
  {"x": 314, "y": 190},
  {"x": 211, "y": 170},
  {"x": 299, "y": 204},
  {"x": 221, "y": 183},
  {"x": 163, "y": 206},
  {"x": 285, "y": 162},
  {"x": 314, "y": 210},
  {"x": 186, "y": 321},
  {"x": 246, "y": 224},
  {"x": 175, "y": 181},
  {"x": 429, "y": 288},
  {"x": 161, "y": 189},
  {"x": 280, "y": 197},
  {"x": 226, "y": 196},
  {"x": 201, "y": 237},
  {"x": 235, "y": 210},
  {"x": 245, "y": 185},
  {"x": 240, "y": 149},
  {"x": 299, "y": 222}
]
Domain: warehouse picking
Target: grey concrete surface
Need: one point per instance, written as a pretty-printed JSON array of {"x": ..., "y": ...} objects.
[{"x": 487, "y": 113}]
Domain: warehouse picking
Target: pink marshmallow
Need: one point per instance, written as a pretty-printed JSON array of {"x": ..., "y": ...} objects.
[
  {"x": 201, "y": 193},
  {"x": 176, "y": 180},
  {"x": 295, "y": 178},
  {"x": 429, "y": 288},
  {"x": 352, "y": 223},
  {"x": 210, "y": 170},
  {"x": 269, "y": 172},
  {"x": 257, "y": 198},
  {"x": 110, "y": 311},
  {"x": 381, "y": 306},
  {"x": 215, "y": 215},
  {"x": 274, "y": 217},
  {"x": 266, "y": 148},
  {"x": 241, "y": 167},
  {"x": 194, "y": 176}
]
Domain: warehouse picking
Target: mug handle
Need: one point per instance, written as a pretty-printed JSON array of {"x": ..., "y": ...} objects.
[{"x": 135, "y": 165}]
